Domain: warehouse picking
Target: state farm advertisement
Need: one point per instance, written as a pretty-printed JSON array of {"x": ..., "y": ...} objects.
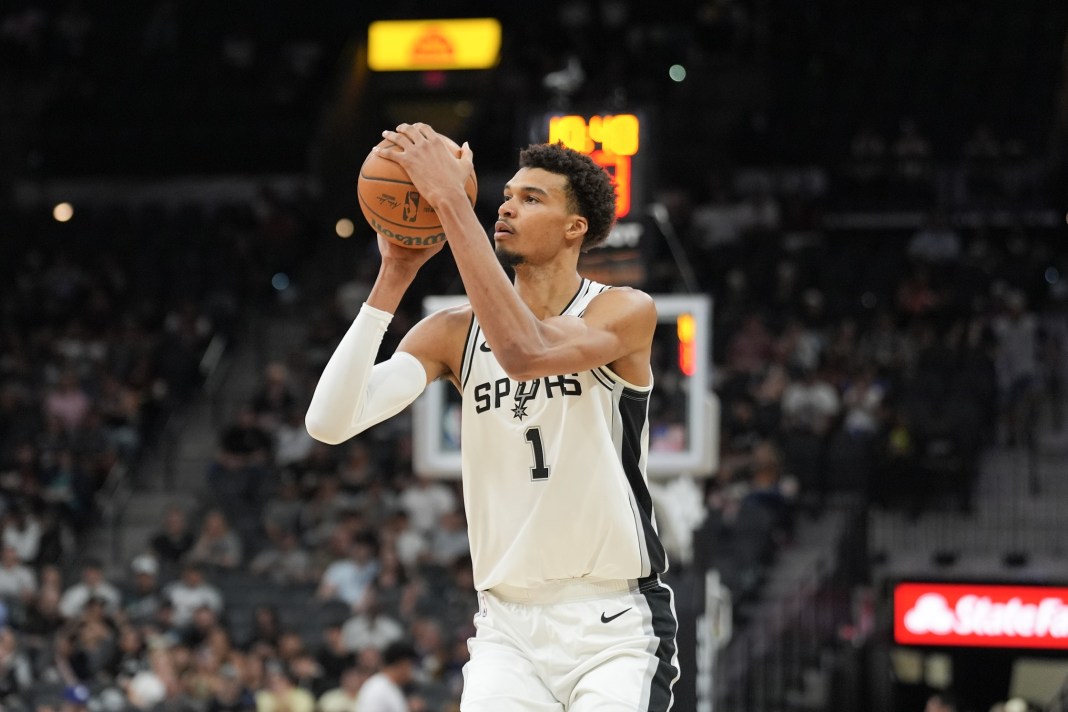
[{"x": 972, "y": 615}]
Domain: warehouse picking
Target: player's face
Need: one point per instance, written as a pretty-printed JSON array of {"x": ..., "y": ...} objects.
[{"x": 533, "y": 218}]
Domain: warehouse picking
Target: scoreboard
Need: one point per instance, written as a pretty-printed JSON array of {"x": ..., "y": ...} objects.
[
  {"x": 617, "y": 143},
  {"x": 612, "y": 141}
]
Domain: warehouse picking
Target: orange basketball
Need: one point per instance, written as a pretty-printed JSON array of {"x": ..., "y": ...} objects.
[{"x": 393, "y": 207}]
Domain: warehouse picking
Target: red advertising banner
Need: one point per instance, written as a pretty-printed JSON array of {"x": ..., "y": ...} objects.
[{"x": 974, "y": 615}]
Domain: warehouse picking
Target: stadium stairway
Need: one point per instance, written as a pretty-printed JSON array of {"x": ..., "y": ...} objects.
[
  {"x": 173, "y": 472},
  {"x": 1015, "y": 529}
]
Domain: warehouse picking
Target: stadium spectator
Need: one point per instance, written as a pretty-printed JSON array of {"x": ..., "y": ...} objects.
[
  {"x": 174, "y": 540},
  {"x": 281, "y": 694},
  {"x": 284, "y": 562},
  {"x": 190, "y": 592},
  {"x": 22, "y": 530},
  {"x": 217, "y": 545},
  {"x": 142, "y": 597},
  {"x": 342, "y": 698},
  {"x": 332, "y": 656},
  {"x": 292, "y": 444},
  {"x": 426, "y": 500},
  {"x": 348, "y": 579},
  {"x": 384, "y": 690},
  {"x": 370, "y": 627},
  {"x": 265, "y": 631},
  {"x": 275, "y": 398},
  {"x": 18, "y": 582},
  {"x": 93, "y": 585}
]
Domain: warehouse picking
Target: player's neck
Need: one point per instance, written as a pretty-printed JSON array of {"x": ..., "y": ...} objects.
[{"x": 547, "y": 289}]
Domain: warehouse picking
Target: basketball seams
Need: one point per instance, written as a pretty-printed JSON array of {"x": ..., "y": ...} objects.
[
  {"x": 383, "y": 179},
  {"x": 385, "y": 219}
]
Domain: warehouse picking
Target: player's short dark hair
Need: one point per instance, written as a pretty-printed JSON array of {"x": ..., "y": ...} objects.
[
  {"x": 397, "y": 651},
  {"x": 591, "y": 192}
]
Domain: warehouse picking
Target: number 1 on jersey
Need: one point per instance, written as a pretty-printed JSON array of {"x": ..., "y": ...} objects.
[{"x": 540, "y": 471}]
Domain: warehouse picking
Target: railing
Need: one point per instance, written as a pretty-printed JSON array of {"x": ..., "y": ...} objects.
[
  {"x": 784, "y": 658},
  {"x": 111, "y": 500},
  {"x": 213, "y": 369},
  {"x": 114, "y": 495}
]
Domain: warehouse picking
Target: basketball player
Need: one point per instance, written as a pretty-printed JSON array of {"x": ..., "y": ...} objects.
[{"x": 555, "y": 377}]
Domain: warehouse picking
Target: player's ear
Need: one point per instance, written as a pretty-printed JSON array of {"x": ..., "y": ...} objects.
[{"x": 577, "y": 227}]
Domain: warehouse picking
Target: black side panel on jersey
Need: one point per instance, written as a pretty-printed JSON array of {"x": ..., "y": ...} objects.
[{"x": 633, "y": 412}]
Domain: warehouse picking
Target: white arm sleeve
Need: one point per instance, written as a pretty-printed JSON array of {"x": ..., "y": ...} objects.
[{"x": 354, "y": 393}]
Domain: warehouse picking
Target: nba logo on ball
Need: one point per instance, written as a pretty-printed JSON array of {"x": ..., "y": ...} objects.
[
  {"x": 392, "y": 206},
  {"x": 411, "y": 206}
]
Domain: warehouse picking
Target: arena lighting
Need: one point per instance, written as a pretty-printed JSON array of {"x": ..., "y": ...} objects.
[
  {"x": 63, "y": 212},
  {"x": 344, "y": 228},
  {"x": 686, "y": 328},
  {"x": 421, "y": 45},
  {"x": 980, "y": 615}
]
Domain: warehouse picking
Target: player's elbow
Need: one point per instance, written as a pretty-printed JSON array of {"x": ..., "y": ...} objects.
[
  {"x": 322, "y": 430},
  {"x": 519, "y": 364}
]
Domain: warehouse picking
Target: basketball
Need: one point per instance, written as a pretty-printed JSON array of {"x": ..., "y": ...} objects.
[{"x": 393, "y": 207}]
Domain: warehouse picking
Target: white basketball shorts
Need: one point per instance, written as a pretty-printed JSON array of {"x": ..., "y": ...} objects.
[{"x": 573, "y": 647}]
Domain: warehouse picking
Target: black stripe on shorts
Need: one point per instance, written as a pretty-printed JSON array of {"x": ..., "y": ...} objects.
[{"x": 658, "y": 597}]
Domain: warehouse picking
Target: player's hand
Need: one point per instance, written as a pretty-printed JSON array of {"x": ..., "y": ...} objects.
[
  {"x": 436, "y": 165},
  {"x": 405, "y": 258}
]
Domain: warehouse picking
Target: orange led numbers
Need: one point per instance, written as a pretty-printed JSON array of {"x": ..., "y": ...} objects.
[{"x": 611, "y": 141}]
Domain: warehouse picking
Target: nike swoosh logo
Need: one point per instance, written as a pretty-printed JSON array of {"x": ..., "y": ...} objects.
[
  {"x": 484, "y": 346},
  {"x": 609, "y": 619}
]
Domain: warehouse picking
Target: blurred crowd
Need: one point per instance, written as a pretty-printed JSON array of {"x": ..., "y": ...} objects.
[
  {"x": 872, "y": 359},
  {"x": 105, "y": 319},
  {"x": 876, "y": 362}
]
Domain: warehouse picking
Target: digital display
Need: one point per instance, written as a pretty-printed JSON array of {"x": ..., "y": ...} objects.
[
  {"x": 419, "y": 45},
  {"x": 612, "y": 141},
  {"x": 976, "y": 615}
]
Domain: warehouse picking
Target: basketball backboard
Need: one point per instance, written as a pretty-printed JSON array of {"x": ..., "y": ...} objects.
[{"x": 683, "y": 417}]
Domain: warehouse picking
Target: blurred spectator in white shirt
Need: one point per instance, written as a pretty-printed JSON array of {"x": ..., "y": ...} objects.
[
  {"x": 92, "y": 585},
  {"x": 426, "y": 500},
  {"x": 18, "y": 582}
]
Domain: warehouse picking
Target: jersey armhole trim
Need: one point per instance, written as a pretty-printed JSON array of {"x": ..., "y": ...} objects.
[
  {"x": 611, "y": 375},
  {"x": 469, "y": 352}
]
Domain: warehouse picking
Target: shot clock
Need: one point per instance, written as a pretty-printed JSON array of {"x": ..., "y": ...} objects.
[{"x": 611, "y": 140}]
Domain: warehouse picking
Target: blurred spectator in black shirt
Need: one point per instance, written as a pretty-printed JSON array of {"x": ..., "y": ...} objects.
[
  {"x": 142, "y": 598},
  {"x": 275, "y": 397},
  {"x": 174, "y": 540}
]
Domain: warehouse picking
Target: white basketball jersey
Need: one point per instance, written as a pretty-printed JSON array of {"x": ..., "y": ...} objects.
[{"x": 554, "y": 471}]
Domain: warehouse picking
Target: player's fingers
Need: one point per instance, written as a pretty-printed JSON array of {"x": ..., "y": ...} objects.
[
  {"x": 405, "y": 132},
  {"x": 394, "y": 153},
  {"x": 466, "y": 154},
  {"x": 416, "y": 132},
  {"x": 425, "y": 130},
  {"x": 398, "y": 140}
]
